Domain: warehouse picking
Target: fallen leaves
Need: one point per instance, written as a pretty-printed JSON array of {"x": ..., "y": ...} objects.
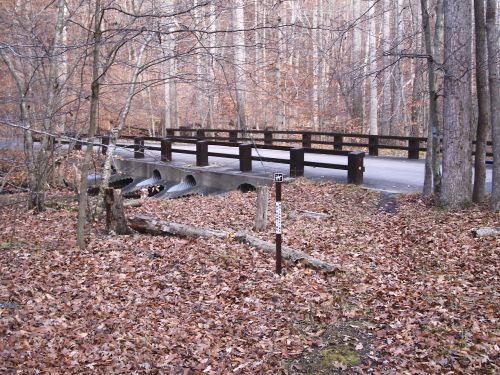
[{"x": 424, "y": 288}]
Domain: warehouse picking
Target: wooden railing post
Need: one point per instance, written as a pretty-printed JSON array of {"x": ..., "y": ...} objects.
[
  {"x": 355, "y": 167},
  {"x": 78, "y": 145},
  {"x": 104, "y": 144},
  {"x": 233, "y": 136},
  {"x": 200, "y": 134},
  {"x": 201, "y": 153},
  {"x": 306, "y": 140},
  {"x": 413, "y": 149},
  {"x": 373, "y": 145},
  {"x": 338, "y": 140},
  {"x": 245, "y": 157},
  {"x": 296, "y": 162},
  {"x": 52, "y": 143},
  {"x": 138, "y": 148},
  {"x": 268, "y": 137},
  {"x": 166, "y": 149}
]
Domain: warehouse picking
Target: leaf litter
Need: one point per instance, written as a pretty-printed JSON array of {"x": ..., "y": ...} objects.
[{"x": 417, "y": 293}]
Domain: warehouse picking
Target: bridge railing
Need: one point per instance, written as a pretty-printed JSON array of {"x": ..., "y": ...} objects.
[
  {"x": 310, "y": 139},
  {"x": 354, "y": 167}
]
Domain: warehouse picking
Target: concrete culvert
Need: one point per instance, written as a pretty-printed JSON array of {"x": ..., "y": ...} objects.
[{"x": 245, "y": 188}]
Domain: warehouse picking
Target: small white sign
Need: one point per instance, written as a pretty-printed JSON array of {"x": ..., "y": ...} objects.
[
  {"x": 278, "y": 177},
  {"x": 278, "y": 218}
]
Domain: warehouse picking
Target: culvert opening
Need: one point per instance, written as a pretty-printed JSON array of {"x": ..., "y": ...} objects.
[
  {"x": 119, "y": 184},
  {"x": 156, "y": 175},
  {"x": 190, "y": 180},
  {"x": 246, "y": 188}
]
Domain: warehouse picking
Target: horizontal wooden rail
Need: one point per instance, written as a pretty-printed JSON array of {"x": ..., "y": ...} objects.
[
  {"x": 354, "y": 166},
  {"x": 374, "y": 143}
]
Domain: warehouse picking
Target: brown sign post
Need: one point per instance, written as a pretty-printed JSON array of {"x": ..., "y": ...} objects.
[{"x": 278, "y": 179}]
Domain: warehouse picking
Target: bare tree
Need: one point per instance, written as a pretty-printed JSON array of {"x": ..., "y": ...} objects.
[
  {"x": 432, "y": 181},
  {"x": 38, "y": 163}
]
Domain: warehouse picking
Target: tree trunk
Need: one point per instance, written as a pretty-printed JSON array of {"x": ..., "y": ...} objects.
[
  {"x": 261, "y": 212},
  {"x": 483, "y": 102},
  {"x": 429, "y": 180},
  {"x": 94, "y": 99},
  {"x": 280, "y": 115},
  {"x": 116, "y": 222},
  {"x": 438, "y": 78},
  {"x": 239, "y": 62},
  {"x": 492, "y": 35},
  {"x": 457, "y": 174},
  {"x": 385, "y": 110},
  {"x": 372, "y": 37},
  {"x": 357, "y": 93}
]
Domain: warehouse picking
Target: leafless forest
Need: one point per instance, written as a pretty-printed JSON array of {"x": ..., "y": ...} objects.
[{"x": 386, "y": 67}]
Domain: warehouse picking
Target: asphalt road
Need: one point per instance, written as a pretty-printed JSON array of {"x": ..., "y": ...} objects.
[{"x": 381, "y": 173}]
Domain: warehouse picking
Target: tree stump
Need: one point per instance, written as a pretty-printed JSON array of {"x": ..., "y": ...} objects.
[
  {"x": 261, "y": 213},
  {"x": 116, "y": 221}
]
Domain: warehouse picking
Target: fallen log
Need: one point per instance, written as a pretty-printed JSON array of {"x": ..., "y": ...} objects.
[
  {"x": 486, "y": 231},
  {"x": 133, "y": 203},
  {"x": 145, "y": 224},
  {"x": 295, "y": 256}
]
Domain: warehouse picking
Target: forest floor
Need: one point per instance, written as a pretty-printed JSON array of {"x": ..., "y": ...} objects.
[{"x": 417, "y": 293}]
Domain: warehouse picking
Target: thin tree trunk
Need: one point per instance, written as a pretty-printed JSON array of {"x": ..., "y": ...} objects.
[
  {"x": 372, "y": 37},
  {"x": 385, "y": 111},
  {"x": 492, "y": 35},
  {"x": 210, "y": 67},
  {"x": 357, "y": 93},
  {"x": 483, "y": 102},
  {"x": 115, "y": 133},
  {"x": 438, "y": 77},
  {"x": 457, "y": 169},
  {"x": 429, "y": 181},
  {"x": 239, "y": 62},
  {"x": 280, "y": 116},
  {"x": 94, "y": 99}
]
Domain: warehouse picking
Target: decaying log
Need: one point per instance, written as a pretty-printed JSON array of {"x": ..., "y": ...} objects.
[
  {"x": 295, "y": 256},
  {"x": 486, "y": 232},
  {"x": 133, "y": 203},
  {"x": 145, "y": 224},
  {"x": 115, "y": 216}
]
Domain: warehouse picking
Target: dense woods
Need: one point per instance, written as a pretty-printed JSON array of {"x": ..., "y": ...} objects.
[{"x": 378, "y": 67}]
